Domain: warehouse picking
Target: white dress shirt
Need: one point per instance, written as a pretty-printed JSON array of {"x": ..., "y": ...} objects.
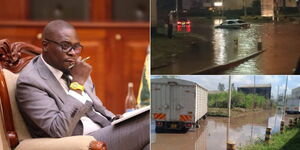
[{"x": 88, "y": 125}]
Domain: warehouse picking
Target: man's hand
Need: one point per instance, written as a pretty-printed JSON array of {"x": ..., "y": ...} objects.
[
  {"x": 118, "y": 116},
  {"x": 80, "y": 71}
]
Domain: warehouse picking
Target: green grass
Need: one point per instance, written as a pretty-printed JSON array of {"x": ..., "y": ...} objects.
[
  {"x": 290, "y": 140},
  {"x": 235, "y": 112}
]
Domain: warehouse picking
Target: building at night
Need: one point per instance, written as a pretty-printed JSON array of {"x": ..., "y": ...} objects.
[
  {"x": 227, "y": 5},
  {"x": 269, "y": 7},
  {"x": 260, "y": 89}
]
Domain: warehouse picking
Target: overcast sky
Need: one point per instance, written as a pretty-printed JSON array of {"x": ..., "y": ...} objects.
[{"x": 211, "y": 82}]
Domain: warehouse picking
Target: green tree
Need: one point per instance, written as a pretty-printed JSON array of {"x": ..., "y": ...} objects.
[
  {"x": 221, "y": 87},
  {"x": 238, "y": 99}
]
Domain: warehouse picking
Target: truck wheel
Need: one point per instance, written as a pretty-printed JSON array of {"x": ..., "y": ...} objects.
[
  {"x": 184, "y": 129},
  {"x": 158, "y": 130},
  {"x": 197, "y": 124}
]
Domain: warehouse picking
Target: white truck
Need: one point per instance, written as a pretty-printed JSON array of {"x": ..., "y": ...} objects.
[
  {"x": 293, "y": 103},
  {"x": 177, "y": 104},
  {"x": 292, "y": 106}
]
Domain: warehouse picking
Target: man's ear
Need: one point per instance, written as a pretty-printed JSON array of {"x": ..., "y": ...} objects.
[{"x": 44, "y": 44}]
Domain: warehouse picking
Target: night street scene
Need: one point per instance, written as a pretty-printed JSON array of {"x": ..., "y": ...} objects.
[{"x": 225, "y": 37}]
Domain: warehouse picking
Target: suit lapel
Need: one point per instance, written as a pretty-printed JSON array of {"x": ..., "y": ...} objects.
[{"x": 49, "y": 78}]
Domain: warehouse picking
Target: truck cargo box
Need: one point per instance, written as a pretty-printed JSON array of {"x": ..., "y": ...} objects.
[
  {"x": 293, "y": 106},
  {"x": 177, "y": 104}
]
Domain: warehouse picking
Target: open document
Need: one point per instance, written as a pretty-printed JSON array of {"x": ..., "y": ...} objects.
[{"x": 131, "y": 114}]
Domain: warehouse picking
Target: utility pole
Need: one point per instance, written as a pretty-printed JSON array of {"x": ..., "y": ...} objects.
[
  {"x": 245, "y": 8},
  {"x": 222, "y": 8},
  {"x": 276, "y": 10},
  {"x": 176, "y": 6},
  {"x": 252, "y": 109},
  {"x": 176, "y": 9},
  {"x": 229, "y": 96},
  {"x": 286, "y": 83},
  {"x": 277, "y": 93},
  {"x": 229, "y": 105}
]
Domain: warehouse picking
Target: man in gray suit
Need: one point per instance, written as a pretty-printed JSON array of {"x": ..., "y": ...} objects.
[{"x": 56, "y": 96}]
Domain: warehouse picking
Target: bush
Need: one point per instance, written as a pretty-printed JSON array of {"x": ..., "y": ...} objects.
[{"x": 238, "y": 99}]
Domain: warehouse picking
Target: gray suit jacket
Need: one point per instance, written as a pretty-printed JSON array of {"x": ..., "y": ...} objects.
[{"x": 47, "y": 110}]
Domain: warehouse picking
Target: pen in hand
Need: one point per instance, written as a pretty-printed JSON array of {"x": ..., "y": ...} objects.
[{"x": 83, "y": 60}]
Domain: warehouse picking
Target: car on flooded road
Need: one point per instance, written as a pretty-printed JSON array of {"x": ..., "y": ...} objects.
[
  {"x": 183, "y": 22},
  {"x": 233, "y": 24},
  {"x": 184, "y": 25}
]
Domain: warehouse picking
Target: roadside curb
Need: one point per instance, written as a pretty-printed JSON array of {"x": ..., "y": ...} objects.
[{"x": 219, "y": 68}]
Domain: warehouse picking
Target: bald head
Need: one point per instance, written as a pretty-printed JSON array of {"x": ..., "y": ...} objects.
[
  {"x": 56, "y": 35},
  {"x": 54, "y": 26}
]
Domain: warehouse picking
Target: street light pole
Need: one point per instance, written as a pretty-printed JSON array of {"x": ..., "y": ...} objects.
[
  {"x": 229, "y": 96},
  {"x": 176, "y": 9},
  {"x": 284, "y": 106},
  {"x": 176, "y": 5},
  {"x": 222, "y": 8},
  {"x": 229, "y": 106},
  {"x": 245, "y": 8}
]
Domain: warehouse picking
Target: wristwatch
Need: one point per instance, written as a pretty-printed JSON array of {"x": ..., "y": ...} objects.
[{"x": 76, "y": 86}]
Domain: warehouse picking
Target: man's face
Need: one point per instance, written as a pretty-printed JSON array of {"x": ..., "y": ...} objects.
[{"x": 54, "y": 53}]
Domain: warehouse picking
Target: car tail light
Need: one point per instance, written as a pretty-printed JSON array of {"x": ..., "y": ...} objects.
[
  {"x": 188, "y": 125},
  {"x": 188, "y": 22},
  {"x": 179, "y": 28},
  {"x": 178, "y": 22},
  {"x": 188, "y": 28},
  {"x": 158, "y": 123}
]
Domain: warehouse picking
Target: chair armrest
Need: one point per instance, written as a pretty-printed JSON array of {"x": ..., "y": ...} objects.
[{"x": 65, "y": 143}]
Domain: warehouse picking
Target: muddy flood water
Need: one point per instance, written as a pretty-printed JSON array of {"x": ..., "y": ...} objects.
[
  {"x": 220, "y": 46},
  {"x": 213, "y": 132}
]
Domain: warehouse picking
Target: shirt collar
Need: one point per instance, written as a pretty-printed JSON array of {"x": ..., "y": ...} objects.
[{"x": 57, "y": 73}]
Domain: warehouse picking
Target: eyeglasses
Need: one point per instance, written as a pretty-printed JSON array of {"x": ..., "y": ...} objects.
[{"x": 66, "y": 47}]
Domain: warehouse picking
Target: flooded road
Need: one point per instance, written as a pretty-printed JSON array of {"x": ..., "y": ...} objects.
[
  {"x": 213, "y": 132},
  {"x": 220, "y": 46}
]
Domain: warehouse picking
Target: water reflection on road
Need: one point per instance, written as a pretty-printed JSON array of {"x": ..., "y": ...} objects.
[
  {"x": 232, "y": 44},
  {"x": 220, "y": 46},
  {"x": 212, "y": 133}
]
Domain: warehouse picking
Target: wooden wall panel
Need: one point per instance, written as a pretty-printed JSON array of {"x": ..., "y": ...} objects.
[
  {"x": 129, "y": 47},
  {"x": 101, "y": 10},
  {"x": 94, "y": 41},
  {"x": 13, "y": 9},
  {"x": 29, "y": 35}
]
